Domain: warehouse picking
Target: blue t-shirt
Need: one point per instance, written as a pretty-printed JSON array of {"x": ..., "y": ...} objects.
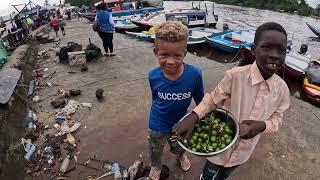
[{"x": 171, "y": 99}]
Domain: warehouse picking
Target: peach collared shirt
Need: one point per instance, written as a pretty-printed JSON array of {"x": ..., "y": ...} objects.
[{"x": 245, "y": 94}]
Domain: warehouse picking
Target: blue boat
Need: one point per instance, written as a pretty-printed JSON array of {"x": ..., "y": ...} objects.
[
  {"x": 120, "y": 9},
  {"x": 231, "y": 42}
]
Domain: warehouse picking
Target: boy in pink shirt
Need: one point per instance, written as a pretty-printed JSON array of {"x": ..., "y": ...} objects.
[{"x": 254, "y": 94}]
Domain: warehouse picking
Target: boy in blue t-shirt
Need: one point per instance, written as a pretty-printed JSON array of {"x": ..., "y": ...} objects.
[{"x": 173, "y": 85}]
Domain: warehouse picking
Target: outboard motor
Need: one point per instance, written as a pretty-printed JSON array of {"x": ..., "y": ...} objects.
[
  {"x": 225, "y": 27},
  {"x": 303, "y": 48}
]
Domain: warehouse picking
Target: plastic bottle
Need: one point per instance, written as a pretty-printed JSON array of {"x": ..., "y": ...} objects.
[
  {"x": 29, "y": 120},
  {"x": 28, "y": 147},
  {"x": 125, "y": 175},
  {"x": 65, "y": 164},
  {"x": 116, "y": 171}
]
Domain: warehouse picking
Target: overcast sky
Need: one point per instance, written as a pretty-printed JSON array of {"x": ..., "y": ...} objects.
[
  {"x": 5, "y": 5},
  {"x": 6, "y": 8}
]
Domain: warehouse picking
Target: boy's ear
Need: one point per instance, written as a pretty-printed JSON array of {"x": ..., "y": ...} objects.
[
  {"x": 155, "y": 51},
  {"x": 253, "y": 50}
]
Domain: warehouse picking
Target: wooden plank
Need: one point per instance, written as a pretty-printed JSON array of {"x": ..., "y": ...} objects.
[{"x": 76, "y": 53}]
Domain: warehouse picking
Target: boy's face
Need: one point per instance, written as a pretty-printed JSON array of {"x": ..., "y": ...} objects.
[
  {"x": 170, "y": 55},
  {"x": 270, "y": 52}
]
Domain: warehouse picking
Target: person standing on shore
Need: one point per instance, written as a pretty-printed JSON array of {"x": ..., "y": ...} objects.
[
  {"x": 55, "y": 24},
  {"x": 106, "y": 28}
]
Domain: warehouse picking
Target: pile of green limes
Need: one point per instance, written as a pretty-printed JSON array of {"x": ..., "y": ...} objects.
[{"x": 210, "y": 135}]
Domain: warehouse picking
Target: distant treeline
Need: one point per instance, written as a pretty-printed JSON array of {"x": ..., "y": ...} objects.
[{"x": 292, "y": 6}]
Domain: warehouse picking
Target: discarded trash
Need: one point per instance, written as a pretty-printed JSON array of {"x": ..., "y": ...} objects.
[
  {"x": 84, "y": 68},
  {"x": 65, "y": 128},
  {"x": 134, "y": 168},
  {"x": 116, "y": 171},
  {"x": 86, "y": 105},
  {"x": 70, "y": 108},
  {"x": 99, "y": 93},
  {"x": 104, "y": 175},
  {"x": 58, "y": 103},
  {"x": 35, "y": 98},
  {"x": 28, "y": 147},
  {"x": 60, "y": 117},
  {"x": 71, "y": 139},
  {"x": 75, "y": 92},
  {"x": 29, "y": 120},
  {"x": 31, "y": 87},
  {"x": 49, "y": 84},
  {"x": 125, "y": 174},
  {"x": 46, "y": 127},
  {"x": 65, "y": 164},
  {"x": 57, "y": 126}
]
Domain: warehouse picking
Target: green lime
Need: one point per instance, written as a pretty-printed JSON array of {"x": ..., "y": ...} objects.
[
  {"x": 205, "y": 136},
  {"x": 223, "y": 124},
  {"x": 198, "y": 147},
  {"x": 214, "y": 145},
  {"x": 194, "y": 149},
  {"x": 195, "y": 134},
  {"x": 222, "y": 145},
  {"x": 214, "y": 132},
  {"x": 217, "y": 149},
  {"x": 194, "y": 138},
  {"x": 191, "y": 141},
  {"x": 199, "y": 129},
  {"x": 226, "y": 136},
  {"x": 210, "y": 148},
  {"x": 207, "y": 127},
  {"x": 213, "y": 139},
  {"x": 216, "y": 121},
  {"x": 222, "y": 139},
  {"x": 228, "y": 141},
  {"x": 199, "y": 140}
]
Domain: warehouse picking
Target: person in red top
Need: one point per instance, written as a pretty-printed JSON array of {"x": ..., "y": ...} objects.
[{"x": 55, "y": 24}]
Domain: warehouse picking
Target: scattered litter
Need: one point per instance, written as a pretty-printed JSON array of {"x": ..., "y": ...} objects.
[
  {"x": 71, "y": 140},
  {"x": 58, "y": 103},
  {"x": 99, "y": 93},
  {"x": 70, "y": 108},
  {"x": 28, "y": 147},
  {"x": 49, "y": 84},
  {"x": 65, "y": 128},
  {"x": 46, "y": 127},
  {"x": 140, "y": 155},
  {"x": 60, "y": 117},
  {"x": 75, "y": 92},
  {"x": 84, "y": 68},
  {"x": 85, "y": 127},
  {"x": 35, "y": 98},
  {"x": 86, "y": 105},
  {"x": 57, "y": 126},
  {"x": 65, "y": 164}
]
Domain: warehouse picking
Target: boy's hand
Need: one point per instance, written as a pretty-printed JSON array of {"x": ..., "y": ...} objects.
[
  {"x": 186, "y": 126},
  {"x": 251, "y": 128}
]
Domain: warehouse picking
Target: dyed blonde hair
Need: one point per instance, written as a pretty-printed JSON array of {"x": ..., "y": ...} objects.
[{"x": 172, "y": 31}]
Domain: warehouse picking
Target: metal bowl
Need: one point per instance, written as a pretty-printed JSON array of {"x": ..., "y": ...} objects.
[{"x": 225, "y": 116}]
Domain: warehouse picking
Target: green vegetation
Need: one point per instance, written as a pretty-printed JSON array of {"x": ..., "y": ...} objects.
[
  {"x": 291, "y": 6},
  {"x": 14, "y": 151}
]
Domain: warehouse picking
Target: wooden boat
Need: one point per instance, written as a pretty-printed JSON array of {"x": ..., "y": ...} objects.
[
  {"x": 311, "y": 83},
  {"x": 123, "y": 24},
  {"x": 196, "y": 35},
  {"x": 232, "y": 41},
  {"x": 193, "y": 17},
  {"x": 314, "y": 30},
  {"x": 120, "y": 9}
]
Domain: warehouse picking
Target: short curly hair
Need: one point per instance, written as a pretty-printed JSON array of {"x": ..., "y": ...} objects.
[
  {"x": 172, "y": 31},
  {"x": 266, "y": 27}
]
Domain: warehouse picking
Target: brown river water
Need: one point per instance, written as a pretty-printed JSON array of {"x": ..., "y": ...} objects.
[{"x": 239, "y": 18}]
